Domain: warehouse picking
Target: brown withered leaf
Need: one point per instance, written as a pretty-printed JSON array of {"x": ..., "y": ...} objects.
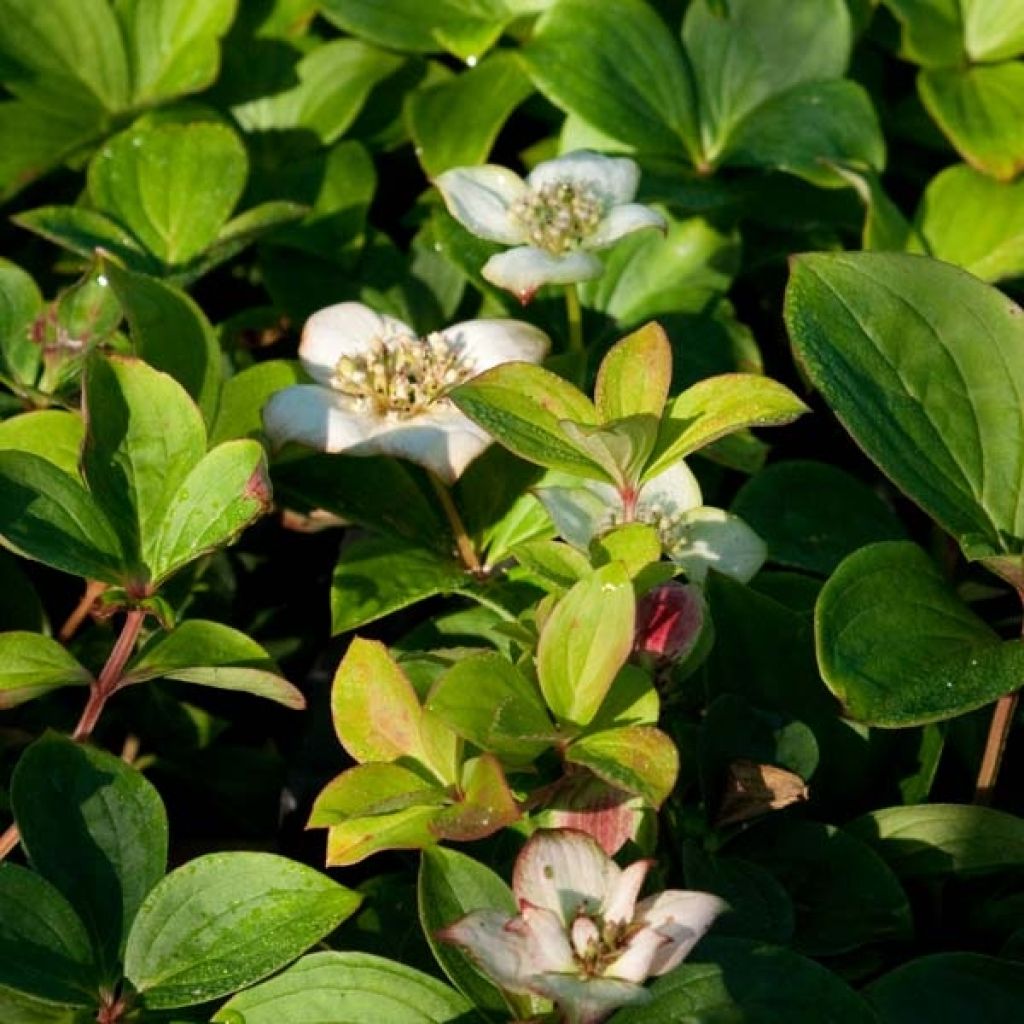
[{"x": 753, "y": 789}]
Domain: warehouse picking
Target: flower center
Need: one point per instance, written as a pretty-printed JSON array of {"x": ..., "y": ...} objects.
[
  {"x": 559, "y": 216},
  {"x": 400, "y": 375},
  {"x": 596, "y": 943}
]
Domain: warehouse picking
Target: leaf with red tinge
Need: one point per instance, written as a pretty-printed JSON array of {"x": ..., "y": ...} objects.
[
  {"x": 487, "y": 806},
  {"x": 637, "y": 758}
]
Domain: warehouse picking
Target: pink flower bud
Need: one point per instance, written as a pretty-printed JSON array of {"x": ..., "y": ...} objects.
[{"x": 669, "y": 621}]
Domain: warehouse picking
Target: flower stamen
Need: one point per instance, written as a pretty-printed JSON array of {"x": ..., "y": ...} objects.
[
  {"x": 400, "y": 375},
  {"x": 558, "y": 217}
]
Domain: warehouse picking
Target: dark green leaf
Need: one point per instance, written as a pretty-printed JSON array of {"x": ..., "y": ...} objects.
[
  {"x": 32, "y": 664},
  {"x": 94, "y": 828},
  {"x": 226, "y": 920}
]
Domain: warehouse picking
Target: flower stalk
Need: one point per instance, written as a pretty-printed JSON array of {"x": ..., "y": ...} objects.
[
  {"x": 463, "y": 542},
  {"x": 574, "y": 316}
]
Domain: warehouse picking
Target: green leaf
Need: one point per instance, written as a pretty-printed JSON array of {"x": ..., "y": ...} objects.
[
  {"x": 227, "y": 920},
  {"x": 844, "y": 893},
  {"x": 522, "y": 406},
  {"x": 44, "y": 948},
  {"x": 486, "y": 804},
  {"x": 20, "y": 607},
  {"x": 211, "y": 654},
  {"x": 993, "y": 29},
  {"x": 20, "y": 303},
  {"x": 617, "y": 67},
  {"x": 368, "y": 790},
  {"x": 947, "y": 988},
  {"x": 898, "y": 647},
  {"x": 358, "y": 838},
  {"x": 333, "y": 82},
  {"x": 52, "y": 434},
  {"x": 486, "y": 700},
  {"x": 636, "y": 545},
  {"x": 354, "y": 988},
  {"x": 758, "y": 50},
  {"x": 932, "y": 31},
  {"x": 32, "y": 664},
  {"x": 637, "y": 758},
  {"x": 377, "y": 715},
  {"x": 171, "y": 333},
  {"x": 713, "y": 408},
  {"x": 674, "y": 277},
  {"x": 812, "y": 514},
  {"x": 408, "y": 25},
  {"x": 242, "y": 397},
  {"x": 923, "y": 364},
  {"x": 759, "y": 908},
  {"x": 634, "y": 377},
  {"x": 377, "y": 576},
  {"x": 96, "y": 829},
  {"x": 938, "y": 840},
  {"x": 223, "y": 494},
  {"x": 478, "y": 101},
  {"x": 451, "y": 885},
  {"x": 86, "y": 232},
  {"x": 585, "y": 642},
  {"x": 978, "y": 109},
  {"x": 967, "y": 218},
  {"x": 173, "y": 45},
  {"x": 557, "y": 565},
  {"x": 791, "y": 132},
  {"x": 735, "y": 980},
  {"x": 48, "y": 516},
  {"x": 172, "y": 185}
]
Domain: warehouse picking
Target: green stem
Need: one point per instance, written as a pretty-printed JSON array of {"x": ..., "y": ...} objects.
[
  {"x": 467, "y": 552},
  {"x": 574, "y": 315}
]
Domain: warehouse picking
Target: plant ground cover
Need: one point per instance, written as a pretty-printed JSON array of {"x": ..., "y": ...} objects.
[{"x": 511, "y": 510}]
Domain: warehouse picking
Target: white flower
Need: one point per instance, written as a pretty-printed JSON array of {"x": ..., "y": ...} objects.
[
  {"x": 564, "y": 209},
  {"x": 695, "y": 536},
  {"x": 581, "y": 938},
  {"x": 381, "y": 390}
]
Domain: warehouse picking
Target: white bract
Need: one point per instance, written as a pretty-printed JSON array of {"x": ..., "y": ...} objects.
[
  {"x": 565, "y": 208},
  {"x": 381, "y": 390},
  {"x": 581, "y": 938},
  {"x": 696, "y": 536}
]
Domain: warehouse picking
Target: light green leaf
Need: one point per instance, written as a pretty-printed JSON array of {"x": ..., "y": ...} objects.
[
  {"x": 52, "y": 434},
  {"x": 898, "y": 647},
  {"x": 616, "y": 65},
  {"x": 144, "y": 436},
  {"x": 358, "y": 838},
  {"x": 979, "y": 110},
  {"x": 227, "y": 920},
  {"x": 96, "y": 829},
  {"x": 635, "y": 375},
  {"x": 637, "y": 758},
  {"x": 924, "y": 365},
  {"x": 226, "y": 491},
  {"x": 486, "y": 700},
  {"x": 354, "y": 988},
  {"x": 44, "y": 948},
  {"x": 47, "y": 515},
  {"x": 368, "y": 790},
  {"x": 993, "y": 29},
  {"x": 585, "y": 642},
  {"x": 242, "y": 397},
  {"x": 939, "y": 840},
  {"x": 172, "y": 185},
  {"x": 32, "y": 664},
  {"x": 969, "y": 219},
  {"x": 718, "y": 406},
  {"x": 173, "y": 45},
  {"x": 478, "y": 102},
  {"x": 171, "y": 333},
  {"x": 334, "y": 81},
  {"x": 212, "y": 654},
  {"x": 521, "y": 406},
  {"x": 557, "y": 565}
]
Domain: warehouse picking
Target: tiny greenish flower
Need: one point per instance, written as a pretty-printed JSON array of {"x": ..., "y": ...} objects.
[
  {"x": 582, "y": 938},
  {"x": 382, "y": 390},
  {"x": 695, "y": 536},
  {"x": 564, "y": 210}
]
